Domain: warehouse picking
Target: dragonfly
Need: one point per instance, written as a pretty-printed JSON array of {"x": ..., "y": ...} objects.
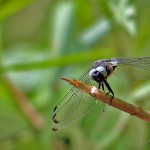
[{"x": 75, "y": 104}]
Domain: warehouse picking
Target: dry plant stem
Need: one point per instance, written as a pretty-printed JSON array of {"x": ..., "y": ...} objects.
[
  {"x": 22, "y": 101},
  {"x": 116, "y": 102}
]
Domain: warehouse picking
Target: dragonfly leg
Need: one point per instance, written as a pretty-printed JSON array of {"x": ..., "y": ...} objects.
[
  {"x": 99, "y": 85},
  {"x": 104, "y": 91},
  {"x": 103, "y": 87},
  {"x": 110, "y": 90}
]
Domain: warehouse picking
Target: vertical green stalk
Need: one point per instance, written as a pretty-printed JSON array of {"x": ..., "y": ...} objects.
[
  {"x": 1, "y": 44},
  {"x": 1, "y": 41}
]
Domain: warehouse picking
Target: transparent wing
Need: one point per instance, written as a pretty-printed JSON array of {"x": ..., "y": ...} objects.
[
  {"x": 73, "y": 106},
  {"x": 133, "y": 68}
]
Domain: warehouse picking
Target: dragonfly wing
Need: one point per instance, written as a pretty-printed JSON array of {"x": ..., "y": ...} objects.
[
  {"x": 73, "y": 106},
  {"x": 135, "y": 68}
]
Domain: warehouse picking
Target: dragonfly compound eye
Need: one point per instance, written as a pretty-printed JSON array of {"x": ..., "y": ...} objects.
[
  {"x": 92, "y": 71},
  {"x": 102, "y": 70}
]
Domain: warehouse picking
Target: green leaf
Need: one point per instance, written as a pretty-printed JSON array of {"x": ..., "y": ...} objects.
[
  {"x": 62, "y": 26},
  {"x": 59, "y": 61},
  {"x": 11, "y": 7}
]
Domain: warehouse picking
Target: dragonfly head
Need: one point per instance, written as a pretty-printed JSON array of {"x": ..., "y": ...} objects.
[{"x": 98, "y": 74}]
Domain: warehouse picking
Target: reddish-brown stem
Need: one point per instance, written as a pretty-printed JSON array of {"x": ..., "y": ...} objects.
[
  {"x": 25, "y": 106},
  {"x": 116, "y": 102}
]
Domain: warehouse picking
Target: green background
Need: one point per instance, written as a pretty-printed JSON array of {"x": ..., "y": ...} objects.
[{"x": 43, "y": 40}]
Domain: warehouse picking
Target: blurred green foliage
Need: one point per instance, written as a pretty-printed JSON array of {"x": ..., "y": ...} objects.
[{"x": 43, "y": 40}]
